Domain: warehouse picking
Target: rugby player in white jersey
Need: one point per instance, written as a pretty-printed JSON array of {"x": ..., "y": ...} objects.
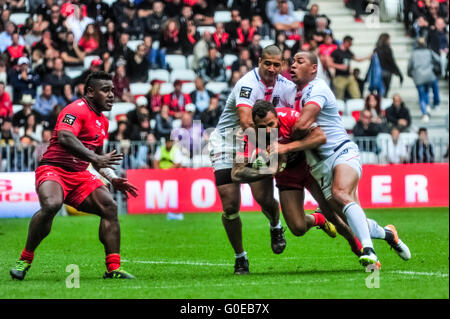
[
  {"x": 263, "y": 82},
  {"x": 336, "y": 164}
]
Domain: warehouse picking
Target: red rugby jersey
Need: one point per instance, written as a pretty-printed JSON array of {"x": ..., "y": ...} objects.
[{"x": 88, "y": 126}]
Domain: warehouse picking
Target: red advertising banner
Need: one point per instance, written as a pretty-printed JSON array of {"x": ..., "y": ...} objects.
[{"x": 193, "y": 190}]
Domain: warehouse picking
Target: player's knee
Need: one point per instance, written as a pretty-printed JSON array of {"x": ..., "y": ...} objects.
[
  {"x": 230, "y": 212},
  {"x": 297, "y": 229},
  {"x": 50, "y": 206},
  {"x": 341, "y": 195},
  {"x": 109, "y": 209},
  {"x": 267, "y": 202}
]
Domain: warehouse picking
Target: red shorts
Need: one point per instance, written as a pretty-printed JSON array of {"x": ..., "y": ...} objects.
[
  {"x": 295, "y": 176},
  {"x": 76, "y": 185}
]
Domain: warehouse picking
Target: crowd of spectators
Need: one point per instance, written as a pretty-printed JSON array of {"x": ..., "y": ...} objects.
[{"x": 61, "y": 34}]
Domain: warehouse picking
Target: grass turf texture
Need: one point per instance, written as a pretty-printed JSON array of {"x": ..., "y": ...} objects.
[{"x": 193, "y": 259}]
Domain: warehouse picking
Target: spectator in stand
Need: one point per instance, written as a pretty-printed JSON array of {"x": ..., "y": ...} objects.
[
  {"x": 212, "y": 67},
  {"x": 122, "y": 132},
  {"x": 397, "y": 114},
  {"x": 32, "y": 128},
  {"x": 177, "y": 100},
  {"x": 6, "y": 37},
  {"x": 439, "y": 43},
  {"x": 121, "y": 83},
  {"x": 420, "y": 68},
  {"x": 191, "y": 38},
  {"x": 19, "y": 118},
  {"x": 33, "y": 36},
  {"x": 286, "y": 22},
  {"x": 3, "y": 71},
  {"x": 255, "y": 49},
  {"x": 145, "y": 153},
  {"x": 141, "y": 111},
  {"x": 262, "y": 27},
  {"x": 71, "y": 54},
  {"x": 155, "y": 98},
  {"x": 47, "y": 45},
  {"x": 200, "y": 49},
  {"x": 99, "y": 11},
  {"x": 210, "y": 116},
  {"x": 361, "y": 82},
  {"x": 251, "y": 8},
  {"x": 122, "y": 50},
  {"x": 168, "y": 155},
  {"x": 171, "y": 41},
  {"x": 6, "y": 106},
  {"x": 55, "y": 20},
  {"x": 422, "y": 150},
  {"x": 373, "y": 104},
  {"x": 53, "y": 117},
  {"x": 223, "y": 96},
  {"x": 138, "y": 66},
  {"x": 131, "y": 22},
  {"x": 244, "y": 59},
  {"x": 7, "y": 138},
  {"x": 222, "y": 39},
  {"x": 163, "y": 122},
  {"x": 57, "y": 79},
  {"x": 45, "y": 102},
  {"x": 24, "y": 81},
  {"x": 67, "y": 96},
  {"x": 387, "y": 61},
  {"x": 183, "y": 18},
  {"x": 155, "y": 57},
  {"x": 118, "y": 10},
  {"x": 358, "y": 6},
  {"x": 189, "y": 135},
  {"x": 90, "y": 40},
  {"x": 272, "y": 7},
  {"x": 154, "y": 21},
  {"x": 200, "y": 97},
  {"x": 95, "y": 66},
  {"x": 77, "y": 23},
  {"x": 17, "y": 6},
  {"x": 310, "y": 21},
  {"x": 203, "y": 12},
  {"x": 244, "y": 35},
  {"x": 365, "y": 127},
  {"x": 232, "y": 26},
  {"x": 328, "y": 46},
  {"x": 110, "y": 37},
  {"x": 340, "y": 61},
  {"x": 421, "y": 28}
]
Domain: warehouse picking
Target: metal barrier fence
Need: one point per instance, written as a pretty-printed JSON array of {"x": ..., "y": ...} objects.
[{"x": 374, "y": 150}]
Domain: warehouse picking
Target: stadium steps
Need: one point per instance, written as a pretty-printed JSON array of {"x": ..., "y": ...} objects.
[{"x": 365, "y": 36}]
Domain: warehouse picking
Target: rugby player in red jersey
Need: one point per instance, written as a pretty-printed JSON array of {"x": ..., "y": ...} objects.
[
  {"x": 62, "y": 175},
  {"x": 294, "y": 176}
]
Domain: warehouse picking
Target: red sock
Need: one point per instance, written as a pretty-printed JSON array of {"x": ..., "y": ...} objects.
[
  {"x": 319, "y": 219},
  {"x": 112, "y": 262},
  {"x": 357, "y": 249},
  {"x": 27, "y": 255}
]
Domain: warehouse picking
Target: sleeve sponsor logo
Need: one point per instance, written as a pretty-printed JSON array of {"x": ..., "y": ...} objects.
[
  {"x": 69, "y": 119},
  {"x": 245, "y": 92}
]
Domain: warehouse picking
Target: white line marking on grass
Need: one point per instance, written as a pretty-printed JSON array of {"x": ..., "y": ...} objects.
[
  {"x": 177, "y": 262},
  {"x": 413, "y": 273}
]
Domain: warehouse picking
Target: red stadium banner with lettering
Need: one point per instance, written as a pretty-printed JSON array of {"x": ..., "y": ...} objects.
[{"x": 381, "y": 186}]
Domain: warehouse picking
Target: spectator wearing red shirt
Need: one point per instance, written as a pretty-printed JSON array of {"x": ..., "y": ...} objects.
[
  {"x": 15, "y": 50},
  {"x": 221, "y": 38},
  {"x": 328, "y": 46},
  {"x": 177, "y": 100},
  {"x": 6, "y": 109},
  {"x": 121, "y": 83},
  {"x": 244, "y": 34},
  {"x": 90, "y": 40}
]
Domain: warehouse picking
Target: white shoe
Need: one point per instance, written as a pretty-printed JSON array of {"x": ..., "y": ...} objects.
[
  {"x": 428, "y": 109},
  {"x": 400, "y": 248},
  {"x": 425, "y": 118},
  {"x": 369, "y": 258}
]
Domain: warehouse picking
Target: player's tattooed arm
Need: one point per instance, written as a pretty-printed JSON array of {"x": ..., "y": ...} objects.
[{"x": 70, "y": 142}]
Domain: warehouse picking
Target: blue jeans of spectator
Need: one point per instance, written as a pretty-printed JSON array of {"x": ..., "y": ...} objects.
[
  {"x": 158, "y": 57},
  {"x": 423, "y": 91}
]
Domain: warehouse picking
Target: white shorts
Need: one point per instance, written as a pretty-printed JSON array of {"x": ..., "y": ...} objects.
[
  {"x": 322, "y": 171},
  {"x": 221, "y": 151}
]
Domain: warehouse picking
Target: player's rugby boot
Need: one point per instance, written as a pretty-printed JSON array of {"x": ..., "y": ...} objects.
[
  {"x": 20, "y": 270},
  {"x": 118, "y": 274},
  {"x": 277, "y": 240},
  {"x": 329, "y": 229},
  {"x": 368, "y": 257},
  {"x": 241, "y": 266},
  {"x": 392, "y": 239}
]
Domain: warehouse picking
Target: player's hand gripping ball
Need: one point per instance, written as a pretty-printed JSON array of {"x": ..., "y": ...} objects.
[{"x": 260, "y": 159}]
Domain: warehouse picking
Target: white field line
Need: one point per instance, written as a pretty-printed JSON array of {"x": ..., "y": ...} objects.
[{"x": 196, "y": 263}]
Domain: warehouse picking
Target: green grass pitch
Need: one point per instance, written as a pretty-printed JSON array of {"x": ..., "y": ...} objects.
[{"x": 193, "y": 259}]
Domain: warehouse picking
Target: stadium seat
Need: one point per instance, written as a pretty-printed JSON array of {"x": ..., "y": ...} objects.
[
  {"x": 17, "y": 108},
  {"x": 133, "y": 44},
  {"x": 341, "y": 107},
  {"x": 166, "y": 88},
  {"x": 266, "y": 42},
  {"x": 383, "y": 142},
  {"x": 222, "y": 16},
  {"x": 299, "y": 14},
  {"x": 408, "y": 138},
  {"x": 158, "y": 74},
  {"x": 290, "y": 43},
  {"x": 176, "y": 61},
  {"x": 187, "y": 87},
  {"x": 176, "y": 123},
  {"x": 73, "y": 72},
  {"x": 369, "y": 158},
  {"x": 10, "y": 91},
  {"x": 217, "y": 87},
  {"x": 120, "y": 108},
  {"x": 385, "y": 103},
  {"x": 109, "y": 2},
  {"x": 19, "y": 18},
  {"x": 202, "y": 29},
  {"x": 139, "y": 88},
  {"x": 348, "y": 122},
  {"x": 112, "y": 126},
  {"x": 152, "y": 124},
  {"x": 228, "y": 59},
  {"x": 354, "y": 106},
  {"x": 155, "y": 44},
  {"x": 88, "y": 60},
  {"x": 183, "y": 75},
  {"x": 189, "y": 60}
]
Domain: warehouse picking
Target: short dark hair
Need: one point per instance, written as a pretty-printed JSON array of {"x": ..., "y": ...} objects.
[
  {"x": 422, "y": 129},
  {"x": 261, "y": 108},
  {"x": 271, "y": 50},
  {"x": 311, "y": 56},
  {"x": 94, "y": 77},
  {"x": 347, "y": 38}
]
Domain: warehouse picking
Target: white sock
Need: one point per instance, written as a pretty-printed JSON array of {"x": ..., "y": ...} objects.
[
  {"x": 277, "y": 226},
  {"x": 376, "y": 231},
  {"x": 358, "y": 223},
  {"x": 243, "y": 254}
]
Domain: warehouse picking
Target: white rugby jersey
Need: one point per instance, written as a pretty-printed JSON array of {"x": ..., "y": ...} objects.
[
  {"x": 249, "y": 89},
  {"x": 319, "y": 93}
]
